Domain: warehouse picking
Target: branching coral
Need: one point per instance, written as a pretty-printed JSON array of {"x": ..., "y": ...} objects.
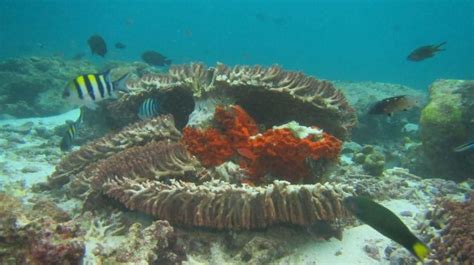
[
  {"x": 271, "y": 95},
  {"x": 136, "y": 134},
  {"x": 456, "y": 244}
]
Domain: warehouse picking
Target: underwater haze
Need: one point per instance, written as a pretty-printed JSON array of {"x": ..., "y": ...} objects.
[
  {"x": 328, "y": 132},
  {"x": 338, "y": 40}
]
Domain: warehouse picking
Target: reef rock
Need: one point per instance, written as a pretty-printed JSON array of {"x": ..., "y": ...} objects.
[
  {"x": 33, "y": 86},
  {"x": 447, "y": 122}
]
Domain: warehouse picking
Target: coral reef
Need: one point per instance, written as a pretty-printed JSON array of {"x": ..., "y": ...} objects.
[
  {"x": 32, "y": 236},
  {"x": 147, "y": 169},
  {"x": 270, "y": 95},
  {"x": 446, "y": 122},
  {"x": 456, "y": 243}
]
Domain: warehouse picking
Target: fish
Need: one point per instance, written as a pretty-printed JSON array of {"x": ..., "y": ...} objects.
[
  {"x": 425, "y": 52},
  {"x": 386, "y": 223},
  {"x": 149, "y": 108},
  {"x": 393, "y": 104},
  {"x": 70, "y": 134},
  {"x": 469, "y": 146},
  {"x": 120, "y": 45},
  {"x": 97, "y": 45},
  {"x": 155, "y": 58},
  {"x": 89, "y": 89}
]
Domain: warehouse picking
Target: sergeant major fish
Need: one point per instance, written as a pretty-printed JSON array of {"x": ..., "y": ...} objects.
[
  {"x": 149, "y": 108},
  {"x": 68, "y": 138},
  {"x": 89, "y": 89},
  {"x": 386, "y": 223}
]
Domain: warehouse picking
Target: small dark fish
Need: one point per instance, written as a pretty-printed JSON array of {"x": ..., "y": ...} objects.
[
  {"x": 149, "y": 108},
  {"x": 386, "y": 223},
  {"x": 70, "y": 134},
  {"x": 469, "y": 146},
  {"x": 425, "y": 52},
  {"x": 97, "y": 45},
  {"x": 120, "y": 45},
  {"x": 155, "y": 58},
  {"x": 393, "y": 104},
  {"x": 78, "y": 56}
]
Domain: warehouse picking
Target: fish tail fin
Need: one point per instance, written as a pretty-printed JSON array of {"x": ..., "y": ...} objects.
[
  {"x": 464, "y": 147},
  {"x": 438, "y": 47},
  {"x": 121, "y": 83},
  {"x": 167, "y": 61},
  {"x": 420, "y": 250}
]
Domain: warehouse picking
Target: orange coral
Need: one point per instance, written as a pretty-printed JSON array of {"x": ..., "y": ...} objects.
[
  {"x": 277, "y": 151},
  {"x": 283, "y": 155},
  {"x": 235, "y": 124},
  {"x": 210, "y": 146}
]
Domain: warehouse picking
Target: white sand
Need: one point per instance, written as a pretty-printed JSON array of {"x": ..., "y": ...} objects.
[
  {"x": 50, "y": 122},
  {"x": 351, "y": 247},
  {"x": 16, "y": 167}
]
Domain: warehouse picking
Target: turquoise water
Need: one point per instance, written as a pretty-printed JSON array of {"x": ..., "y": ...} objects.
[{"x": 345, "y": 40}]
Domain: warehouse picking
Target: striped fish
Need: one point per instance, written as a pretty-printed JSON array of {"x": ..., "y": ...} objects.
[
  {"x": 89, "y": 89},
  {"x": 149, "y": 108},
  {"x": 68, "y": 138}
]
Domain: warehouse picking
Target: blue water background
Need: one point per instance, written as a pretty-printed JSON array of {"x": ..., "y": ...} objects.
[{"x": 345, "y": 40}]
